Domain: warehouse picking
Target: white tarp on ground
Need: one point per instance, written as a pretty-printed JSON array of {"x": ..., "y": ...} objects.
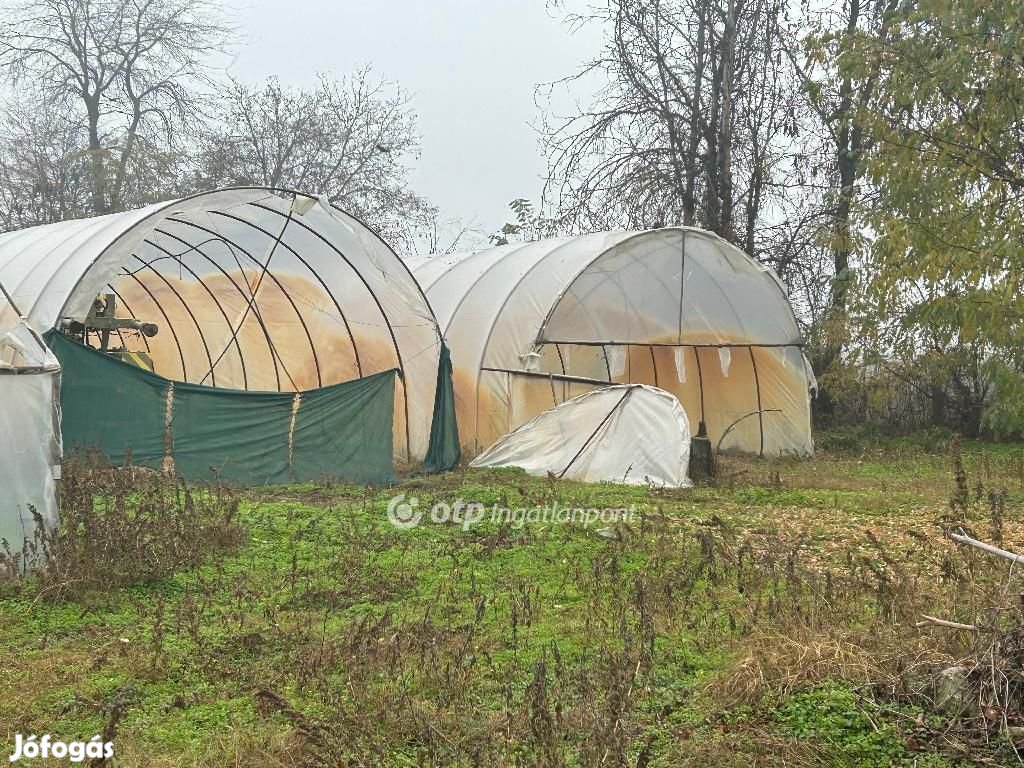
[
  {"x": 633, "y": 434},
  {"x": 30, "y": 447}
]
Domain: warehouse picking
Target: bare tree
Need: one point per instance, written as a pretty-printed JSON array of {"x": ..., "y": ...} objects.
[
  {"x": 692, "y": 126},
  {"x": 127, "y": 71},
  {"x": 836, "y": 87},
  {"x": 437, "y": 234},
  {"x": 350, "y": 140},
  {"x": 44, "y": 175}
]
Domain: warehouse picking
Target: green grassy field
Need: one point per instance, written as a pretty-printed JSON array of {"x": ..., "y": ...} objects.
[{"x": 766, "y": 620}]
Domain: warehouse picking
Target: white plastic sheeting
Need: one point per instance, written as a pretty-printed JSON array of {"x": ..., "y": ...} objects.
[
  {"x": 632, "y": 434},
  {"x": 251, "y": 288},
  {"x": 29, "y": 429},
  {"x": 677, "y": 308}
]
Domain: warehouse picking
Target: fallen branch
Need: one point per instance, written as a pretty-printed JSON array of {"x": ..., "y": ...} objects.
[
  {"x": 932, "y": 621},
  {"x": 962, "y": 538}
]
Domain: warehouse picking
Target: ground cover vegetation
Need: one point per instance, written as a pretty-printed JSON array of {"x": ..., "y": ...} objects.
[{"x": 769, "y": 618}]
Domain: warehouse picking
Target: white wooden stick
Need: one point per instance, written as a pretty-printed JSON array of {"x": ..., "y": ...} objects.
[
  {"x": 961, "y": 538},
  {"x": 932, "y": 621}
]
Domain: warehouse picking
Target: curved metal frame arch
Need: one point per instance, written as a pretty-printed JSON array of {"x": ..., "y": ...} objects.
[
  {"x": 481, "y": 276},
  {"x": 158, "y": 215},
  {"x": 497, "y": 315},
  {"x": 313, "y": 272},
  {"x": 401, "y": 261},
  {"x": 383, "y": 314},
  {"x": 213, "y": 297},
  {"x": 250, "y": 301},
  {"x": 685, "y": 231},
  {"x": 199, "y": 328},
  {"x": 633, "y": 260},
  {"x": 197, "y": 248},
  {"x": 458, "y": 306},
  {"x": 174, "y": 334},
  {"x": 234, "y": 284}
]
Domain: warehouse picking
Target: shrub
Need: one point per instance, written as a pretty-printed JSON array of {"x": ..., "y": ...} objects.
[{"x": 121, "y": 526}]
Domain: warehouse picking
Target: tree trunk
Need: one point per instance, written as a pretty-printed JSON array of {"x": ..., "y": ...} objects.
[
  {"x": 713, "y": 201},
  {"x": 754, "y": 200},
  {"x": 938, "y": 402},
  {"x": 692, "y": 165},
  {"x": 126, "y": 154},
  {"x": 725, "y": 138},
  {"x": 846, "y": 161},
  {"x": 96, "y": 166}
]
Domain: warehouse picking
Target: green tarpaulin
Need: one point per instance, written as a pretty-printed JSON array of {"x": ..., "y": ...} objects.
[
  {"x": 242, "y": 439},
  {"x": 443, "y": 451},
  {"x": 251, "y": 438},
  {"x": 110, "y": 405}
]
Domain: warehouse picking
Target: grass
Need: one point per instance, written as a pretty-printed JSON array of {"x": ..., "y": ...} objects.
[{"x": 765, "y": 620}]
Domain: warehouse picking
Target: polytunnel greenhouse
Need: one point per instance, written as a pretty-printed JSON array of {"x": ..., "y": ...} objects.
[
  {"x": 29, "y": 427},
  {"x": 263, "y": 334},
  {"x": 533, "y": 325}
]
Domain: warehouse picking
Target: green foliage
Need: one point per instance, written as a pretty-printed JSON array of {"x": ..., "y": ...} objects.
[
  {"x": 527, "y": 225},
  {"x": 522, "y": 211},
  {"x": 121, "y": 526},
  {"x": 847, "y": 439},
  {"x": 838, "y": 716},
  {"x": 944, "y": 272},
  {"x": 1005, "y": 415},
  {"x": 925, "y": 102},
  {"x": 697, "y": 634}
]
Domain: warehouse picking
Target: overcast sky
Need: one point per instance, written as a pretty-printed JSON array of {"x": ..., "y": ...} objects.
[{"x": 471, "y": 67}]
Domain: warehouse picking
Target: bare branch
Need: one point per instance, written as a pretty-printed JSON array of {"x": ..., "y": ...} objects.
[
  {"x": 962, "y": 538},
  {"x": 931, "y": 621}
]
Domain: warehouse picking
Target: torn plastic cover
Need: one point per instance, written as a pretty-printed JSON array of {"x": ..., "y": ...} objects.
[
  {"x": 30, "y": 425},
  {"x": 531, "y": 361},
  {"x": 20, "y": 347},
  {"x": 616, "y": 360},
  {"x": 680, "y": 355},
  {"x": 812, "y": 381}
]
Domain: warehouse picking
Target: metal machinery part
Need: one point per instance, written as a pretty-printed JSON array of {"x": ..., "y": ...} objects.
[{"x": 101, "y": 322}]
